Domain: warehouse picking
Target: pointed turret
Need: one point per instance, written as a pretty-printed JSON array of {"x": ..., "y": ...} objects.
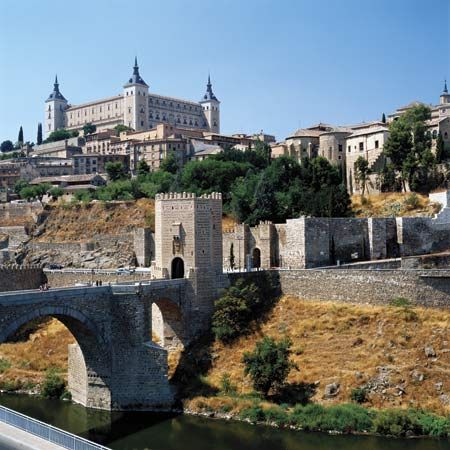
[
  {"x": 211, "y": 109},
  {"x": 444, "y": 99},
  {"x": 55, "y": 94},
  {"x": 136, "y": 78},
  {"x": 209, "y": 92}
]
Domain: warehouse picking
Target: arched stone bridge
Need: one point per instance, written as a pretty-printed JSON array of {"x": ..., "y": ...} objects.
[{"x": 115, "y": 363}]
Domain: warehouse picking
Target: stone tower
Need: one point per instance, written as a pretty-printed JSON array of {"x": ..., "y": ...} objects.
[
  {"x": 55, "y": 107},
  {"x": 188, "y": 244},
  {"x": 211, "y": 108},
  {"x": 135, "y": 95},
  {"x": 445, "y": 96}
]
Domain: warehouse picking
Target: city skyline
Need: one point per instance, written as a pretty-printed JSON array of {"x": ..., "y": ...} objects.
[{"x": 328, "y": 65}]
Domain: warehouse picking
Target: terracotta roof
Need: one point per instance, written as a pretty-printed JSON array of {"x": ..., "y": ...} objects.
[{"x": 372, "y": 130}]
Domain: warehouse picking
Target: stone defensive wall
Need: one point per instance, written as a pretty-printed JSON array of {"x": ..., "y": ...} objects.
[
  {"x": 11, "y": 212},
  {"x": 19, "y": 278},
  {"x": 428, "y": 288},
  {"x": 65, "y": 279}
]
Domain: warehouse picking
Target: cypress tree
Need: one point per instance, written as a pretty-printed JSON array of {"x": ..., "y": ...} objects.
[
  {"x": 439, "y": 148},
  {"x": 39, "y": 134},
  {"x": 20, "y": 137},
  {"x": 383, "y": 118}
]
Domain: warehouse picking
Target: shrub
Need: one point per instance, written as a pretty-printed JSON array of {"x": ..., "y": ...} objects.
[
  {"x": 54, "y": 386},
  {"x": 226, "y": 385},
  {"x": 253, "y": 414},
  {"x": 244, "y": 301},
  {"x": 344, "y": 418},
  {"x": 400, "y": 302},
  {"x": 433, "y": 425},
  {"x": 4, "y": 365},
  {"x": 397, "y": 422},
  {"x": 412, "y": 201},
  {"x": 276, "y": 415},
  {"x": 359, "y": 395},
  {"x": 269, "y": 365}
]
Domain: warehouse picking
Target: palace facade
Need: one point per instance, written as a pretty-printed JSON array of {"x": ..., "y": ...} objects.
[{"x": 135, "y": 107}]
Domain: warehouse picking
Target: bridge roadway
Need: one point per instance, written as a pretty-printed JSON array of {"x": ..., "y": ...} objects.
[{"x": 12, "y": 438}]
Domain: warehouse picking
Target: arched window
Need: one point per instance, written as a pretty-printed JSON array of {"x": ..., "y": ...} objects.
[{"x": 434, "y": 134}]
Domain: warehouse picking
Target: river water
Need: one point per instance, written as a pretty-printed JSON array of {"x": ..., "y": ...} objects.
[{"x": 147, "y": 431}]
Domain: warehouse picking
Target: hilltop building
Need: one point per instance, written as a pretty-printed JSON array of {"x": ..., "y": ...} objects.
[
  {"x": 343, "y": 145},
  {"x": 136, "y": 107}
]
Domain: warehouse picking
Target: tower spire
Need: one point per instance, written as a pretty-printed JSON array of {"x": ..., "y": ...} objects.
[
  {"x": 136, "y": 78},
  {"x": 445, "y": 87},
  {"x": 56, "y": 94},
  {"x": 209, "y": 92}
]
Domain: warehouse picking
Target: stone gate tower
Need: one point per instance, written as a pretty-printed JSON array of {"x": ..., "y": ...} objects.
[{"x": 188, "y": 244}]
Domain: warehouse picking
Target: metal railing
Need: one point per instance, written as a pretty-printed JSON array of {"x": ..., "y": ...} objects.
[{"x": 47, "y": 432}]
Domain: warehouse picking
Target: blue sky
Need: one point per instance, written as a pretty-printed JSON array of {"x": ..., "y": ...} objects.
[{"x": 275, "y": 65}]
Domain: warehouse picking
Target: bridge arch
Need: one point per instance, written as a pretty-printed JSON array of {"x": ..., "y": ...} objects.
[
  {"x": 89, "y": 365},
  {"x": 168, "y": 324}
]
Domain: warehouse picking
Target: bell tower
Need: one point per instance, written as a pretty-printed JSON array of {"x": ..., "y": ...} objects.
[
  {"x": 211, "y": 108},
  {"x": 55, "y": 107},
  {"x": 135, "y": 95}
]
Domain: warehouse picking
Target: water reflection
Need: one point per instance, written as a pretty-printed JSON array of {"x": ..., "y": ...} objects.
[{"x": 139, "y": 431}]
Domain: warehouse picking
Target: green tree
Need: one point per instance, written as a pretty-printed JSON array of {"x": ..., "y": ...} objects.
[
  {"x": 58, "y": 135},
  {"x": 440, "y": 150},
  {"x": 74, "y": 133},
  {"x": 7, "y": 146},
  {"x": 121, "y": 128},
  {"x": 170, "y": 163},
  {"x": 408, "y": 145},
  {"x": 264, "y": 152},
  {"x": 142, "y": 167},
  {"x": 115, "y": 170},
  {"x": 20, "y": 137},
  {"x": 232, "y": 256},
  {"x": 362, "y": 171},
  {"x": 269, "y": 364},
  {"x": 383, "y": 118},
  {"x": 39, "y": 134},
  {"x": 19, "y": 185},
  {"x": 89, "y": 128},
  {"x": 54, "y": 385},
  {"x": 56, "y": 192}
]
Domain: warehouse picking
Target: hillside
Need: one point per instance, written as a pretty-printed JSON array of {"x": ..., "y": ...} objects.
[
  {"x": 393, "y": 204},
  {"x": 380, "y": 347},
  {"x": 74, "y": 223}
]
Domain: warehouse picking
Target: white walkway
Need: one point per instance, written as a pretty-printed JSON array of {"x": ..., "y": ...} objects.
[{"x": 12, "y": 438}]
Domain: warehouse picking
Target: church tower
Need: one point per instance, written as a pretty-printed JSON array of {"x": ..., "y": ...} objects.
[
  {"x": 135, "y": 96},
  {"x": 445, "y": 96},
  {"x": 55, "y": 107},
  {"x": 211, "y": 108}
]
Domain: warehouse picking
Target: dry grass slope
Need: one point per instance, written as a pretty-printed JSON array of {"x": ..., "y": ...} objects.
[
  {"x": 393, "y": 204},
  {"x": 354, "y": 345},
  {"x": 74, "y": 223}
]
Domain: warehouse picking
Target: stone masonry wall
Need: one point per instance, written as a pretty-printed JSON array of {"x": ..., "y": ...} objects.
[
  {"x": 430, "y": 288},
  {"x": 14, "y": 279}
]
